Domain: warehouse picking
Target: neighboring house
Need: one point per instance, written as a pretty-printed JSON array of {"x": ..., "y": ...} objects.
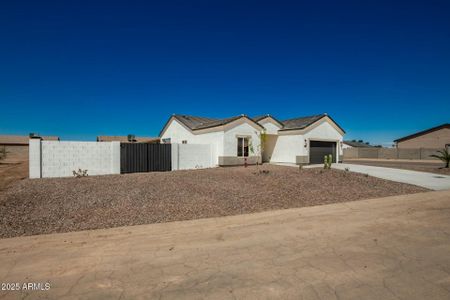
[
  {"x": 434, "y": 138},
  {"x": 355, "y": 144},
  {"x": 16, "y": 146},
  {"x": 237, "y": 139},
  {"x": 127, "y": 139}
]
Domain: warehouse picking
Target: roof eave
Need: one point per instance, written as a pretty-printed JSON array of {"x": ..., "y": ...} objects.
[
  {"x": 228, "y": 122},
  {"x": 417, "y": 134},
  {"x": 306, "y": 126},
  {"x": 271, "y": 117}
]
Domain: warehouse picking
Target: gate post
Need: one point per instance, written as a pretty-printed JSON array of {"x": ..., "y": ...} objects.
[
  {"x": 115, "y": 157},
  {"x": 174, "y": 156},
  {"x": 35, "y": 158}
]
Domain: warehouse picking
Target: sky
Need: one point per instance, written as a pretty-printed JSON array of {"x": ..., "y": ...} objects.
[{"x": 78, "y": 69}]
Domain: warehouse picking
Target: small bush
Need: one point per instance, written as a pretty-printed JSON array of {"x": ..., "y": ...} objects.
[{"x": 80, "y": 173}]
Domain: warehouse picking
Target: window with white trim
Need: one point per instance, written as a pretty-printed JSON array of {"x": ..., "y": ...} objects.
[{"x": 242, "y": 146}]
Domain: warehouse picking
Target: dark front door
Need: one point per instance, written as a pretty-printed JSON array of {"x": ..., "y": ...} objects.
[
  {"x": 318, "y": 149},
  {"x": 140, "y": 157}
]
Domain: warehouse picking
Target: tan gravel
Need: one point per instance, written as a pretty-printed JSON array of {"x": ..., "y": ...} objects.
[{"x": 39, "y": 206}]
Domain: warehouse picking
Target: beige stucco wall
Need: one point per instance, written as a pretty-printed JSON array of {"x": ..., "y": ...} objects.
[
  {"x": 435, "y": 139},
  {"x": 16, "y": 153},
  {"x": 271, "y": 140}
]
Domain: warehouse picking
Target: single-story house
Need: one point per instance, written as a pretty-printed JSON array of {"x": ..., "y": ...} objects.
[
  {"x": 355, "y": 144},
  {"x": 434, "y": 138},
  {"x": 302, "y": 140},
  {"x": 16, "y": 146},
  {"x": 128, "y": 139}
]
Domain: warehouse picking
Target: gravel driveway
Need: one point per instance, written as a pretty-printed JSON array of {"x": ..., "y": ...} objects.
[{"x": 40, "y": 206}]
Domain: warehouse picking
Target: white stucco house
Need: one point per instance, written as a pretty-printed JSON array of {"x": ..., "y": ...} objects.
[{"x": 302, "y": 140}]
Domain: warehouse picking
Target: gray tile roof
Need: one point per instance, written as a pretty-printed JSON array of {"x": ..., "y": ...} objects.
[
  {"x": 195, "y": 122},
  {"x": 301, "y": 122},
  {"x": 357, "y": 144},
  {"x": 259, "y": 118}
]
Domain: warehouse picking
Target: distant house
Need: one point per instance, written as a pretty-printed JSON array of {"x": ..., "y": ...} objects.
[
  {"x": 16, "y": 146},
  {"x": 236, "y": 140},
  {"x": 355, "y": 144},
  {"x": 433, "y": 138},
  {"x": 128, "y": 139}
]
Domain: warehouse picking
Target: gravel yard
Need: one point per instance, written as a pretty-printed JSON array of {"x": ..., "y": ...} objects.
[{"x": 41, "y": 206}]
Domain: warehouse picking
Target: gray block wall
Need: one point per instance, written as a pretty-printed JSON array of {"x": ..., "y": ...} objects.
[
  {"x": 60, "y": 159},
  {"x": 389, "y": 153}
]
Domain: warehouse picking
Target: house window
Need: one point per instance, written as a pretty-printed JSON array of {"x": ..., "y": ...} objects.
[
  {"x": 184, "y": 142},
  {"x": 242, "y": 146},
  {"x": 166, "y": 141}
]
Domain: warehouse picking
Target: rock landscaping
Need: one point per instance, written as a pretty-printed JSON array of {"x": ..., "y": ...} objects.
[{"x": 39, "y": 206}]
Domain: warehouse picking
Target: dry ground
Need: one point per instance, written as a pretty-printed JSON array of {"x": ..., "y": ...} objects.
[
  {"x": 12, "y": 172},
  {"x": 67, "y": 204},
  {"x": 427, "y": 166},
  {"x": 381, "y": 249}
]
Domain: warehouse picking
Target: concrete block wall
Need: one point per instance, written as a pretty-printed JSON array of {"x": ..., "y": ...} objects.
[
  {"x": 425, "y": 153},
  {"x": 408, "y": 153},
  {"x": 34, "y": 155},
  {"x": 192, "y": 156},
  {"x": 368, "y": 152},
  {"x": 389, "y": 153},
  {"x": 60, "y": 159},
  {"x": 351, "y": 153},
  {"x": 16, "y": 153}
]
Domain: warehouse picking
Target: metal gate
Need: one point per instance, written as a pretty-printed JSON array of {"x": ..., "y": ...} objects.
[
  {"x": 141, "y": 157},
  {"x": 318, "y": 149}
]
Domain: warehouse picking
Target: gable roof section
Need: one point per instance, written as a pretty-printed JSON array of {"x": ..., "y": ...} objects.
[
  {"x": 196, "y": 123},
  {"x": 411, "y": 136},
  {"x": 303, "y": 122},
  {"x": 260, "y": 118}
]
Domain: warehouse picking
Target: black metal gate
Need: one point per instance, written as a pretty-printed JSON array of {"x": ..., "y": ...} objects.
[
  {"x": 318, "y": 149},
  {"x": 141, "y": 157}
]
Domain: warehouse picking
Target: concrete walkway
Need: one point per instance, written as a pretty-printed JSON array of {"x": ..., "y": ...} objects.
[
  {"x": 423, "y": 179},
  {"x": 389, "y": 248}
]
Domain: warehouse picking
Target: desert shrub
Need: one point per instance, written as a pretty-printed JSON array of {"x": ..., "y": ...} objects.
[
  {"x": 80, "y": 173},
  {"x": 327, "y": 161},
  {"x": 443, "y": 155}
]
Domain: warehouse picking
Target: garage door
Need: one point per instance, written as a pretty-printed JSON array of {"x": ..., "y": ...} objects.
[{"x": 317, "y": 150}]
